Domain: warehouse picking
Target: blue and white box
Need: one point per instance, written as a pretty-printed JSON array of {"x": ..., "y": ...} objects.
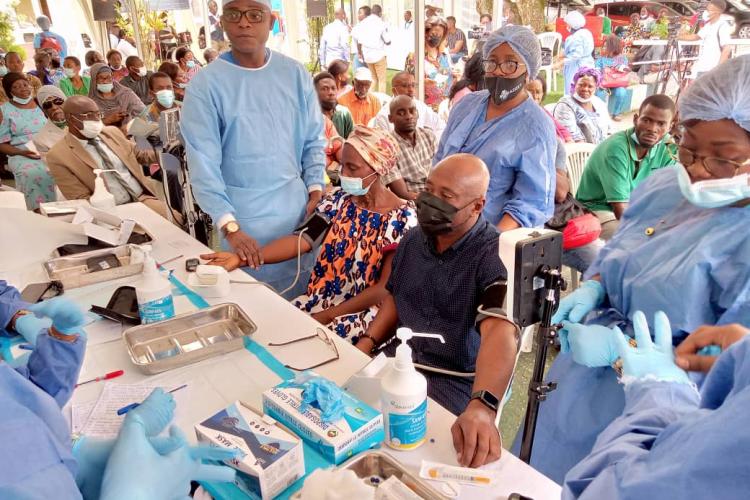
[
  {"x": 271, "y": 458},
  {"x": 360, "y": 429}
]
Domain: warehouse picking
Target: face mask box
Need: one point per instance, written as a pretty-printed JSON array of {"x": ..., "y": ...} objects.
[
  {"x": 360, "y": 429},
  {"x": 272, "y": 458}
]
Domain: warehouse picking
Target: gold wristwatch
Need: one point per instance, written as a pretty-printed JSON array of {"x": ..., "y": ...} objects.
[{"x": 230, "y": 227}]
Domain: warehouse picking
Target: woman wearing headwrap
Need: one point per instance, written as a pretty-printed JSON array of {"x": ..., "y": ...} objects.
[
  {"x": 578, "y": 48},
  {"x": 584, "y": 114},
  {"x": 118, "y": 103},
  {"x": 504, "y": 127},
  {"x": 357, "y": 227},
  {"x": 21, "y": 119},
  {"x": 681, "y": 248}
]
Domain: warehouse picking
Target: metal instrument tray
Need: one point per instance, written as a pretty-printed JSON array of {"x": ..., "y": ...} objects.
[
  {"x": 188, "y": 338},
  {"x": 73, "y": 271},
  {"x": 374, "y": 467}
]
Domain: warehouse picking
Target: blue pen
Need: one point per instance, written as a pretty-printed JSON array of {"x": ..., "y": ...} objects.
[
  {"x": 26, "y": 347},
  {"x": 125, "y": 409}
]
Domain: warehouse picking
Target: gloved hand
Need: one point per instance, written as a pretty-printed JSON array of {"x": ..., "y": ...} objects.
[
  {"x": 156, "y": 411},
  {"x": 590, "y": 345},
  {"x": 650, "y": 359},
  {"x": 578, "y": 304},
  {"x": 135, "y": 470},
  {"x": 29, "y": 327},
  {"x": 66, "y": 316}
]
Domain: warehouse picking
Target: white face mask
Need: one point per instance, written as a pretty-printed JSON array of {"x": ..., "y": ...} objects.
[
  {"x": 706, "y": 16},
  {"x": 713, "y": 193},
  {"x": 92, "y": 129},
  {"x": 142, "y": 71},
  {"x": 581, "y": 99},
  {"x": 69, "y": 72}
]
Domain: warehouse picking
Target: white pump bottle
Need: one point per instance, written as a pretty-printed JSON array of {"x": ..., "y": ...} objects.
[
  {"x": 102, "y": 198},
  {"x": 404, "y": 397}
]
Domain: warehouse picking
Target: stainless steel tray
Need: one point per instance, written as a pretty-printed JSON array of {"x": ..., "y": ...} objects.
[
  {"x": 374, "y": 467},
  {"x": 188, "y": 338},
  {"x": 73, "y": 272}
]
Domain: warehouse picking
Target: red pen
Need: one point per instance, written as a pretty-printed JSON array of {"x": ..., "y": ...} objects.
[{"x": 108, "y": 376}]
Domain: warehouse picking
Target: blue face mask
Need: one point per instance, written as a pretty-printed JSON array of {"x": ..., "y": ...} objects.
[
  {"x": 165, "y": 98},
  {"x": 3, "y": 70},
  {"x": 190, "y": 64},
  {"x": 353, "y": 185},
  {"x": 713, "y": 193},
  {"x": 105, "y": 88}
]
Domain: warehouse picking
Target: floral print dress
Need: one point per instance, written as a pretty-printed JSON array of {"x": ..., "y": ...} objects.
[
  {"x": 351, "y": 257},
  {"x": 31, "y": 176}
]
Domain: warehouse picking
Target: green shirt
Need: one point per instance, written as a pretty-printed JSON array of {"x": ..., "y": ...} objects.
[
  {"x": 66, "y": 85},
  {"x": 611, "y": 174},
  {"x": 342, "y": 120}
]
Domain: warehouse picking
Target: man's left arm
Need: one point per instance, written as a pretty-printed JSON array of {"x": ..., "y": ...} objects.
[{"x": 313, "y": 149}]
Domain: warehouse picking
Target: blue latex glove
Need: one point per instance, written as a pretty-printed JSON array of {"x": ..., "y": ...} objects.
[
  {"x": 650, "y": 360},
  {"x": 155, "y": 413},
  {"x": 29, "y": 327},
  {"x": 578, "y": 304},
  {"x": 66, "y": 316},
  {"x": 590, "y": 345},
  {"x": 322, "y": 394},
  {"x": 136, "y": 470}
]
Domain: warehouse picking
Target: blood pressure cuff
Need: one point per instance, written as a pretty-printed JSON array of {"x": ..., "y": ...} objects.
[
  {"x": 492, "y": 305},
  {"x": 315, "y": 226}
]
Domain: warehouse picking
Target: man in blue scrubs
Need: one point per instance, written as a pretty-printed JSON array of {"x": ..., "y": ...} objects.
[{"x": 253, "y": 133}]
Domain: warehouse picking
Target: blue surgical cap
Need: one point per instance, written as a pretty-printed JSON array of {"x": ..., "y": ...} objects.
[
  {"x": 720, "y": 94},
  {"x": 522, "y": 40}
]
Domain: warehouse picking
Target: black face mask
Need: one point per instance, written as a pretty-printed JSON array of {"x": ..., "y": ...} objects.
[
  {"x": 501, "y": 89},
  {"x": 435, "y": 216},
  {"x": 433, "y": 41}
]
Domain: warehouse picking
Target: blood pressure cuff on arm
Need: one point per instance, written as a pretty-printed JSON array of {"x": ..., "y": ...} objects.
[
  {"x": 492, "y": 305},
  {"x": 315, "y": 227}
]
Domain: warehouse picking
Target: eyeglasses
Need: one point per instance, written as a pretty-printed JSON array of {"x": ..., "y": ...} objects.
[
  {"x": 506, "y": 67},
  {"x": 234, "y": 16},
  {"x": 90, "y": 116},
  {"x": 320, "y": 334},
  {"x": 718, "y": 167},
  {"x": 46, "y": 105}
]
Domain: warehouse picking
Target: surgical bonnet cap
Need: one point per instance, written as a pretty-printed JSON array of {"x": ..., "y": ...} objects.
[
  {"x": 43, "y": 22},
  {"x": 522, "y": 40},
  {"x": 575, "y": 20},
  {"x": 719, "y": 94}
]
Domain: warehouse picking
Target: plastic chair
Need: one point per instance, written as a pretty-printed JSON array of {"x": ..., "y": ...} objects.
[
  {"x": 576, "y": 156},
  {"x": 552, "y": 41}
]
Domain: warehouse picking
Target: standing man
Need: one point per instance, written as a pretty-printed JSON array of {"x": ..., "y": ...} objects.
[
  {"x": 408, "y": 21},
  {"x": 416, "y": 149},
  {"x": 715, "y": 37},
  {"x": 137, "y": 79},
  {"x": 47, "y": 39},
  {"x": 404, "y": 83},
  {"x": 325, "y": 86},
  {"x": 624, "y": 160},
  {"x": 218, "y": 42},
  {"x": 360, "y": 102},
  {"x": 371, "y": 36},
  {"x": 255, "y": 148},
  {"x": 334, "y": 43},
  {"x": 456, "y": 41}
]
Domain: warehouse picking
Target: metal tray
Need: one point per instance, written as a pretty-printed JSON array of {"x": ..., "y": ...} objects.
[
  {"x": 188, "y": 338},
  {"x": 73, "y": 272},
  {"x": 374, "y": 467}
]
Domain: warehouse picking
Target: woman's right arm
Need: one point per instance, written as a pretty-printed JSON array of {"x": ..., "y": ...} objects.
[{"x": 9, "y": 150}]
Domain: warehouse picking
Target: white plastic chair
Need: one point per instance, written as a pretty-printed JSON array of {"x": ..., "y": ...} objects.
[
  {"x": 552, "y": 41},
  {"x": 576, "y": 156}
]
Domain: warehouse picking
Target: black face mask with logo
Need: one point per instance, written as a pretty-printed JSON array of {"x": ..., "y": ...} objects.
[
  {"x": 502, "y": 89},
  {"x": 435, "y": 216}
]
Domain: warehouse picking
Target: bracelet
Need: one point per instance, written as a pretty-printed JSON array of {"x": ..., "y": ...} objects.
[
  {"x": 19, "y": 314},
  {"x": 367, "y": 336},
  {"x": 63, "y": 337}
]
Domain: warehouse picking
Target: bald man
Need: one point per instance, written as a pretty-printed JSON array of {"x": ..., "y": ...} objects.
[
  {"x": 444, "y": 270},
  {"x": 416, "y": 149},
  {"x": 334, "y": 42},
  {"x": 89, "y": 145},
  {"x": 403, "y": 83}
]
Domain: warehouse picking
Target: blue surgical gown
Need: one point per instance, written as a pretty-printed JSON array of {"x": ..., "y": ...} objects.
[
  {"x": 35, "y": 452},
  {"x": 669, "y": 255},
  {"x": 578, "y": 50},
  {"x": 255, "y": 144},
  {"x": 519, "y": 150},
  {"x": 665, "y": 446}
]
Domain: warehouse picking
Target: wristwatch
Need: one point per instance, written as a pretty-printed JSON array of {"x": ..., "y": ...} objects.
[
  {"x": 230, "y": 227},
  {"x": 488, "y": 399}
]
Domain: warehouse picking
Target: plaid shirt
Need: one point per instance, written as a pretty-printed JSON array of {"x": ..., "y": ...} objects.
[{"x": 414, "y": 161}]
